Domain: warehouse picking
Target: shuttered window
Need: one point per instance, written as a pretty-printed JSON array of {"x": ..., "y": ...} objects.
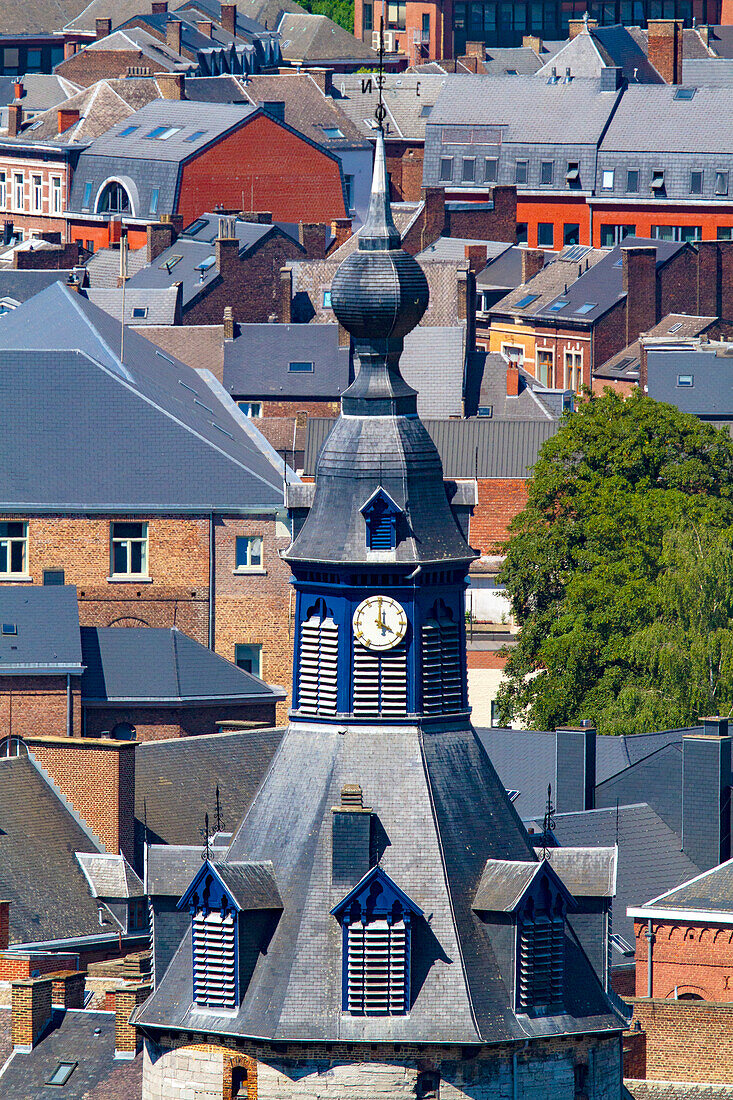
[
  {"x": 441, "y": 663},
  {"x": 381, "y": 531},
  {"x": 541, "y": 962},
  {"x": 214, "y": 959},
  {"x": 380, "y": 682},
  {"x": 377, "y": 968},
  {"x": 318, "y": 671}
]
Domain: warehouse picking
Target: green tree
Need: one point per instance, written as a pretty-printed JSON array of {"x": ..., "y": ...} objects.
[
  {"x": 585, "y": 555},
  {"x": 341, "y": 11}
]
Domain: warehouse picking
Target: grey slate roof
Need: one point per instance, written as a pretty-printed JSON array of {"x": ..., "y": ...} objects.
[
  {"x": 586, "y": 872},
  {"x": 295, "y": 989},
  {"x": 406, "y": 97},
  {"x": 19, "y": 286},
  {"x": 252, "y": 885},
  {"x": 40, "y": 91},
  {"x": 83, "y": 1036},
  {"x": 454, "y": 248},
  {"x": 39, "y": 874},
  {"x": 151, "y": 665},
  {"x": 625, "y": 363},
  {"x": 711, "y": 892},
  {"x": 434, "y": 363},
  {"x": 505, "y": 271},
  {"x": 503, "y": 884},
  {"x": 172, "y": 867},
  {"x": 18, "y": 17},
  {"x": 144, "y": 306},
  {"x": 177, "y": 781},
  {"x": 710, "y": 71},
  {"x": 711, "y": 368},
  {"x": 676, "y": 1090},
  {"x": 505, "y": 449},
  {"x": 110, "y": 876},
  {"x": 586, "y": 54},
  {"x": 307, "y": 109},
  {"x": 169, "y": 419},
  {"x": 143, "y": 163},
  {"x": 100, "y": 106},
  {"x": 668, "y": 124},
  {"x": 512, "y": 60},
  {"x": 46, "y": 631},
  {"x": 316, "y": 38},
  {"x": 257, "y": 362},
  {"x": 103, "y": 267},
  {"x": 491, "y": 378}
]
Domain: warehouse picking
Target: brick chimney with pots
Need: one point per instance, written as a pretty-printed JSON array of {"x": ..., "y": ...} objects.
[
  {"x": 228, "y": 18},
  {"x": 15, "y": 120},
  {"x": 581, "y": 26},
  {"x": 533, "y": 261},
  {"x": 639, "y": 282},
  {"x": 4, "y": 925},
  {"x": 127, "y": 1039},
  {"x": 227, "y": 251},
  {"x": 665, "y": 48},
  {"x": 259, "y": 217},
  {"x": 312, "y": 236},
  {"x": 512, "y": 379},
  {"x": 173, "y": 35},
  {"x": 102, "y": 28},
  {"x": 30, "y": 1013},
  {"x": 18, "y": 89},
  {"x": 171, "y": 85},
  {"x": 67, "y": 117}
]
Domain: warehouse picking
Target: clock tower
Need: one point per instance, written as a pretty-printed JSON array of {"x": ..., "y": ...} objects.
[{"x": 380, "y": 562}]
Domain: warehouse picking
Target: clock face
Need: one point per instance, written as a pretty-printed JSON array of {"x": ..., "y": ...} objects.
[{"x": 379, "y": 622}]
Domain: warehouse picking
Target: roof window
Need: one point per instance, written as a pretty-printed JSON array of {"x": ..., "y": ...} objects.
[
  {"x": 587, "y": 307},
  {"x": 205, "y": 265},
  {"x": 526, "y": 301},
  {"x": 300, "y": 368},
  {"x": 128, "y": 130},
  {"x": 486, "y": 411},
  {"x": 195, "y": 136},
  {"x": 170, "y": 263},
  {"x": 10, "y": 628},
  {"x": 675, "y": 327},
  {"x": 682, "y": 380},
  {"x": 139, "y": 311},
  {"x": 62, "y": 1073},
  {"x": 332, "y": 132},
  {"x": 572, "y": 175},
  {"x": 425, "y": 111},
  {"x": 558, "y": 305},
  {"x": 162, "y": 133},
  {"x": 658, "y": 179},
  {"x": 684, "y": 93}
]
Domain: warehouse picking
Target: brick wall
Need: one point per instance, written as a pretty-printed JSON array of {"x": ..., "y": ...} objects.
[
  {"x": 14, "y": 966},
  {"x": 695, "y": 959},
  {"x": 67, "y": 988},
  {"x": 292, "y": 408},
  {"x": 159, "y": 723},
  {"x": 4, "y": 924},
  {"x": 128, "y": 998},
  {"x": 98, "y": 779},
  {"x": 686, "y": 1040},
  {"x": 264, "y": 164},
  {"x": 405, "y": 168},
  {"x": 37, "y": 704},
  {"x": 499, "y": 501}
]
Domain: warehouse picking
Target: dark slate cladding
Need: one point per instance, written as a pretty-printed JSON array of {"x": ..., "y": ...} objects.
[{"x": 32, "y": 646}]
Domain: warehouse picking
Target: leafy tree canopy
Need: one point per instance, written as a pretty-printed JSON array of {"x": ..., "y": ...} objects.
[
  {"x": 341, "y": 11},
  {"x": 631, "y": 503}
]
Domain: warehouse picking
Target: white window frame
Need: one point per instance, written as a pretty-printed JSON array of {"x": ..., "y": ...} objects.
[
  {"x": 37, "y": 193},
  {"x": 57, "y": 201},
  {"x": 7, "y": 542},
  {"x": 549, "y": 362},
  {"x": 19, "y": 191},
  {"x": 257, "y": 648},
  {"x": 127, "y": 541},
  {"x": 573, "y": 370},
  {"x": 3, "y": 190},
  {"x": 607, "y": 179},
  {"x": 507, "y": 349},
  {"x": 254, "y": 550}
]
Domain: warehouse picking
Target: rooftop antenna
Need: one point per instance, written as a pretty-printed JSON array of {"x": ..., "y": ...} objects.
[
  {"x": 380, "y": 111},
  {"x": 206, "y": 854},
  {"x": 548, "y": 824},
  {"x": 219, "y": 817}
]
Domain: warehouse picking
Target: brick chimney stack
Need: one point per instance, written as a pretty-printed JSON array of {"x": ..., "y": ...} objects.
[
  {"x": 127, "y": 1040},
  {"x": 228, "y": 323},
  {"x": 171, "y": 85},
  {"x": 102, "y": 28},
  {"x": 341, "y": 231},
  {"x": 512, "y": 379},
  {"x": 312, "y": 236},
  {"x": 173, "y": 35},
  {"x": 18, "y": 89},
  {"x": 476, "y": 256},
  {"x": 228, "y": 18},
  {"x": 286, "y": 295},
  {"x": 15, "y": 119},
  {"x": 67, "y": 116},
  {"x": 31, "y": 1012},
  {"x": 206, "y": 27},
  {"x": 4, "y": 925},
  {"x": 665, "y": 48},
  {"x": 639, "y": 283},
  {"x": 533, "y": 261},
  {"x": 158, "y": 7}
]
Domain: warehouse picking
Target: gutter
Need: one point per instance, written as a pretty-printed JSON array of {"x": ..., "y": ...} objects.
[{"x": 107, "y": 938}]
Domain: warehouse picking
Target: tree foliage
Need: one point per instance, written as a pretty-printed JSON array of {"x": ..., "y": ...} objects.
[
  {"x": 341, "y": 11},
  {"x": 625, "y": 500}
]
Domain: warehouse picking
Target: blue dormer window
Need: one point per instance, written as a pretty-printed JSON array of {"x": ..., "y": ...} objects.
[
  {"x": 376, "y": 918},
  {"x": 214, "y": 948},
  {"x": 380, "y": 516}
]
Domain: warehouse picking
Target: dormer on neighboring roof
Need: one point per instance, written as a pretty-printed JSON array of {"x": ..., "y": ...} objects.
[
  {"x": 231, "y": 906},
  {"x": 376, "y": 919},
  {"x": 380, "y": 514}
]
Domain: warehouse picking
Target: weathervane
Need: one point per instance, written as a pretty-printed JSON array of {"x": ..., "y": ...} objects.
[
  {"x": 380, "y": 111},
  {"x": 219, "y": 816},
  {"x": 548, "y": 824},
  {"x": 206, "y": 854}
]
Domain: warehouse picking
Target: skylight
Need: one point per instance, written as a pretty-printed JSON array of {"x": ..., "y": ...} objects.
[
  {"x": 586, "y": 307},
  {"x": 676, "y": 327},
  {"x": 300, "y": 367},
  {"x": 162, "y": 133},
  {"x": 526, "y": 301},
  {"x": 128, "y": 130},
  {"x": 206, "y": 264},
  {"x": 10, "y": 628},
  {"x": 684, "y": 93},
  {"x": 195, "y": 227},
  {"x": 62, "y": 1073},
  {"x": 558, "y": 305},
  {"x": 195, "y": 135},
  {"x": 425, "y": 111},
  {"x": 332, "y": 132},
  {"x": 169, "y": 263}
]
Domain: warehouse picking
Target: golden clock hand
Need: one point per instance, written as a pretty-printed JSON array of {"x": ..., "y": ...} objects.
[{"x": 380, "y": 620}]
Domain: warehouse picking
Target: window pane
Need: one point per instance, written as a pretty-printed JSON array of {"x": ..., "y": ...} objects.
[
  {"x": 521, "y": 232},
  {"x": 469, "y": 166},
  {"x": 240, "y": 553},
  {"x": 490, "y": 168},
  {"x": 128, "y": 530},
  {"x": 547, "y": 171},
  {"x": 571, "y": 234},
  {"x": 446, "y": 168},
  {"x": 696, "y": 183},
  {"x": 119, "y": 557},
  {"x": 545, "y": 234},
  {"x": 255, "y": 552},
  {"x": 521, "y": 171},
  {"x": 721, "y": 183},
  {"x": 632, "y": 180}
]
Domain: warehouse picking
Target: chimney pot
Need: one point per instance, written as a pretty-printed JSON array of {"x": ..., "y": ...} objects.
[{"x": 18, "y": 89}]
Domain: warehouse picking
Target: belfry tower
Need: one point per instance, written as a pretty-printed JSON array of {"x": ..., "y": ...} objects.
[{"x": 381, "y": 923}]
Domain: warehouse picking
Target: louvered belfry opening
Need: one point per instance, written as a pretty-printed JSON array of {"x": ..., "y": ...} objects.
[
  {"x": 441, "y": 662},
  {"x": 381, "y": 526},
  {"x": 377, "y": 968},
  {"x": 214, "y": 958},
  {"x": 541, "y": 962},
  {"x": 380, "y": 682},
  {"x": 318, "y": 667}
]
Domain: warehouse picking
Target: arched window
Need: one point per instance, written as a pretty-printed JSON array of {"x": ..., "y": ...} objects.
[
  {"x": 12, "y": 746},
  {"x": 114, "y": 199},
  {"x": 124, "y": 731},
  {"x": 441, "y": 662},
  {"x": 318, "y": 665}
]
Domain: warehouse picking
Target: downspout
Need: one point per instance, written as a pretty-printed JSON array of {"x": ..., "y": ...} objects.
[
  {"x": 649, "y": 964},
  {"x": 212, "y": 594},
  {"x": 69, "y": 707}
]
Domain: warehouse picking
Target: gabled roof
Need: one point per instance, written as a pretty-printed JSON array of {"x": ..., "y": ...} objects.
[
  {"x": 651, "y": 118},
  {"x": 257, "y": 363},
  {"x": 179, "y": 443},
  {"x": 171, "y": 867},
  {"x": 512, "y": 61},
  {"x": 153, "y": 306},
  {"x": 491, "y": 376},
  {"x": 110, "y": 876},
  {"x": 315, "y": 38},
  {"x": 588, "y": 53},
  {"x": 707, "y": 897},
  {"x": 248, "y": 885},
  {"x": 19, "y": 286},
  {"x": 677, "y": 326},
  {"x": 505, "y": 271},
  {"x": 503, "y": 884},
  {"x": 41, "y": 17},
  {"x": 148, "y": 665},
  {"x": 40, "y": 90},
  {"x": 39, "y": 635},
  {"x": 709, "y": 393},
  {"x": 365, "y": 887},
  {"x": 307, "y": 109},
  {"x": 100, "y": 106},
  {"x": 586, "y": 872}
]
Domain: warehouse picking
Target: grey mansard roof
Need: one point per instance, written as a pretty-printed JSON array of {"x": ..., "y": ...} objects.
[
  {"x": 46, "y": 623},
  {"x": 148, "y": 434},
  {"x": 456, "y": 820}
]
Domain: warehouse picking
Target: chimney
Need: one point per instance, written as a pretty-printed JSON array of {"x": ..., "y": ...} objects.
[
  {"x": 312, "y": 236},
  {"x": 351, "y": 838},
  {"x": 227, "y": 253},
  {"x": 259, "y": 217},
  {"x": 18, "y": 89},
  {"x": 533, "y": 42},
  {"x": 706, "y": 765},
  {"x": 4, "y": 925},
  {"x": 476, "y": 256},
  {"x": 159, "y": 237},
  {"x": 575, "y": 768},
  {"x": 205, "y": 26},
  {"x": 275, "y": 108},
  {"x": 611, "y": 78},
  {"x": 30, "y": 1013},
  {"x": 533, "y": 261},
  {"x": 171, "y": 85},
  {"x": 512, "y": 378},
  {"x": 323, "y": 78},
  {"x": 665, "y": 48},
  {"x": 286, "y": 295},
  {"x": 476, "y": 49},
  {"x": 704, "y": 33},
  {"x": 581, "y": 26},
  {"x": 228, "y": 18},
  {"x": 67, "y": 988},
  {"x": 341, "y": 231},
  {"x": 67, "y": 116},
  {"x": 173, "y": 35},
  {"x": 639, "y": 284},
  {"x": 15, "y": 119},
  {"x": 228, "y": 323},
  {"x": 103, "y": 28},
  {"x": 127, "y": 1040},
  {"x": 158, "y": 7}
]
